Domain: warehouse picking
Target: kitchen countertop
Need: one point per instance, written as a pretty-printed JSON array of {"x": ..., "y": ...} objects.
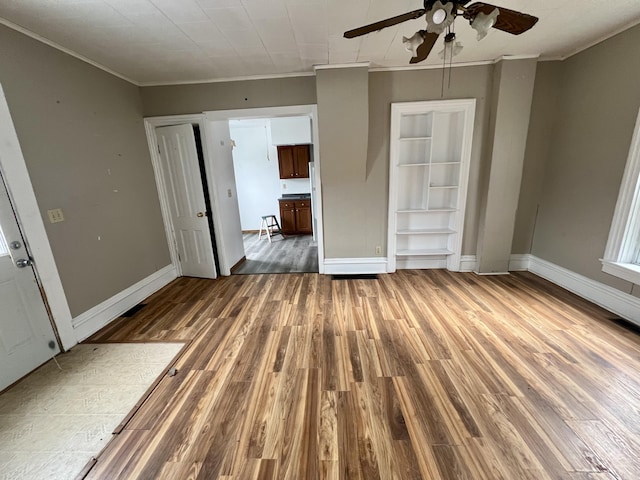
[{"x": 295, "y": 196}]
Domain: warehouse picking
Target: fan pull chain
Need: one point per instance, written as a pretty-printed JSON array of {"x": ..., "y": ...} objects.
[
  {"x": 444, "y": 67},
  {"x": 452, "y": 30}
]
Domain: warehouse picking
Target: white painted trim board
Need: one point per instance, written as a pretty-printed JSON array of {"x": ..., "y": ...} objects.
[
  {"x": 24, "y": 200},
  {"x": 355, "y": 266},
  {"x": 89, "y": 322},
  {"x": 622, "y": 304}
]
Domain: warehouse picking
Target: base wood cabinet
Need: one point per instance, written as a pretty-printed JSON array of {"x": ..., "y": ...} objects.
[
  {"x": 295, "y": 217},
  {"x": 293, "y": 161}
]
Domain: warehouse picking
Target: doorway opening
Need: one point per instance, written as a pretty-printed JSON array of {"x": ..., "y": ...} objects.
[
  {"x": 220, "y": 184},
  {"x": 274, "y": 170}
]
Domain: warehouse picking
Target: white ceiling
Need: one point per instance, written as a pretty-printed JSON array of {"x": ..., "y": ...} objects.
[{"x": 174, "y": 41}]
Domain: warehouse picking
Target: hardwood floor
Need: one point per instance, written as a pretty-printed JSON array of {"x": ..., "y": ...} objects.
[
  {"x": 291, "y": 254},
  {"x": 419, "y": 374}
]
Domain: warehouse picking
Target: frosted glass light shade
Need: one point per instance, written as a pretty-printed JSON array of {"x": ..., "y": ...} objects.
[
  {"x": 440, "y": 17},
  {"x": 451, "y": 49},
  {"x": 483, "y": 22},
  {"x": 412, "y": 43}
]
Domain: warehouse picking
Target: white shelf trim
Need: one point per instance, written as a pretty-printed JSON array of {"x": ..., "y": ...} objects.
[
  {"x": 426, "y": 231},
  {"x": 423, "y": 210},
  {"x": 418, "y": 195},
  {"x": 427, "y": 252}
]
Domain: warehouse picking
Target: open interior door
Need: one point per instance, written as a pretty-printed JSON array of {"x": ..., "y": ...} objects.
[
  {"x": 183, "y": 183},
  {"x": 27, "y": 339}
]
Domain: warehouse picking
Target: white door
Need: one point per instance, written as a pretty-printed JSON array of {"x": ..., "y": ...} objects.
[
  {"x": 27, "y": 339},
  {"x": 183, "y": 183}
]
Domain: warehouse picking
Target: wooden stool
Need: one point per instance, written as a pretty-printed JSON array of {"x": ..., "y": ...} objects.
[{"x": 267, "y": 224}]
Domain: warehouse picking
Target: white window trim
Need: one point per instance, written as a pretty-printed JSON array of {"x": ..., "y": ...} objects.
[{"x": 624, "y": 236}]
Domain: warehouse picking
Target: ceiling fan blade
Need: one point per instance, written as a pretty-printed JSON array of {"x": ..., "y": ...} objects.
[
  {"x": 508, "y": 21},
  {"x": 356, "y": 32},
  {"x": 424, "y": 49}
]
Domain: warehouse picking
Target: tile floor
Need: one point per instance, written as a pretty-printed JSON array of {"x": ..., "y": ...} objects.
[{"x": 56, "y": 419}]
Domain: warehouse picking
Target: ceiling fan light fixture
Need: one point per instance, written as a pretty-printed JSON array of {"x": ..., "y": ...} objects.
[
  {"x": 483, "y": 22},
  {"x": 440, "y": 17},
  {"x": 412, "y": 43},
  {"x": 450, "y": 50}
]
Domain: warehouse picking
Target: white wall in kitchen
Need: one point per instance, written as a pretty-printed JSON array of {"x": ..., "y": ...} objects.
[
  {"x": 255, "y": 160},
  {"x": 256, "y": 170}
]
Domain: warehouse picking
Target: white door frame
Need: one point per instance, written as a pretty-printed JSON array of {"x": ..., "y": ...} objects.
[
  {"x": 24, "y": 202},
  {"x": 288, "y": 111},
  {"x": 150, "y": 125},
  {"x": 201, "y": 120}
]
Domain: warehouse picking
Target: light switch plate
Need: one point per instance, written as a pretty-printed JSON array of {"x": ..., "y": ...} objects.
[{"x": 55, "y": 215}]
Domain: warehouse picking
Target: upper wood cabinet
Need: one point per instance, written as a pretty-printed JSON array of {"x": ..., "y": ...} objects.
[{"x": 293, "y": 161}]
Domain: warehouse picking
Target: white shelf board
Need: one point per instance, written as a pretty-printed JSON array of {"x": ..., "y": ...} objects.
[
  {"x": 442, "y": 187},
  {"x": 422, "y": 210},
  {"x": 445, "y": 163},
  {"x": 424, "y": 252},
  {"x": 409, "y": 139},
  {"x": 413, "y": 164},
  {"x": 426, "y": 231}
]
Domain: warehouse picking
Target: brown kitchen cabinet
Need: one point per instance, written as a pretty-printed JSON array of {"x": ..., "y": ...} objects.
[
  {"x": 293, "y": 161},
  {"x": 295, "y": 217}
]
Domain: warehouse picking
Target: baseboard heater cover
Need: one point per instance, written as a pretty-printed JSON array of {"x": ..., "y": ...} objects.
[
  {"x": 355, "y": 276},
  {"x": 133, "y": 310},
  {"x": 626, "y": 324}
]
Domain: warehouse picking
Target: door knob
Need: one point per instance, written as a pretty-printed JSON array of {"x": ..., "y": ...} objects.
[
  {"x": 23, "y": 262},
  {"x": 200, "y": 214}
]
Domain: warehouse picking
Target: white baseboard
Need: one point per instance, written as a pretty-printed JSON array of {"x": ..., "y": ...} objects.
[
  {"x": 622, "y": 304},
  {"x": 468, "y": 263},
  {"x": 355, "y": 266},
  {"x": 404, "y": 263},
  {"x": 519, "y": 262},
  {"x": 89, "y": 322}
]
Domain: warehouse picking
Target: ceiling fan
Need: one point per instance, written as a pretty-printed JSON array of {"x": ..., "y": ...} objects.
[{"x": 440, "y": 16}]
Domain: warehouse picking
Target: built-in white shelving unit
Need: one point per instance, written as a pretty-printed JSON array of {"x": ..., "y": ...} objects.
[{"x": 428, "y": 176}]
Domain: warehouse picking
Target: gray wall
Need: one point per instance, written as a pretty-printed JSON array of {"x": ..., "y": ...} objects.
[
  {"x": 343, "y": 124},
  {"x": 363, "y": 226},
  {"x": 418, "y": 85},
  {"x": 513, "y": 83},
  {"x": 76, "y": 124},
  {"x": 182, "y": 99},
  {"x": 541, "y": 127},
  {"x": 588, "y": 133}
]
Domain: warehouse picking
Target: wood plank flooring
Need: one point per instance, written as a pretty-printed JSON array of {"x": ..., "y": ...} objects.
[
  {"x": 417, "y": 375},
  {"x": 291, "y": 254}
]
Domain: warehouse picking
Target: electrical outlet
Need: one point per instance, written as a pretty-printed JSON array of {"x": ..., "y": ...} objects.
[
  {"x": 55, "y": 215},
  {"x": 229, "y": 194},
  {"x": 378, "y": 250}
]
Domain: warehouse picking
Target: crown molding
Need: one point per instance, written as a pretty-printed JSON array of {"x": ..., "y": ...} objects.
[
  {"x": 68, "y": 51},
  {"x": 331, "y": 66},
  {"x": 516, "y": 57},
  {"x": 600, "y": 39},
  {"x": 430, "y": 67},
  {"x": 542, "y": 58},
  {"x": 229, "y": 79}
]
